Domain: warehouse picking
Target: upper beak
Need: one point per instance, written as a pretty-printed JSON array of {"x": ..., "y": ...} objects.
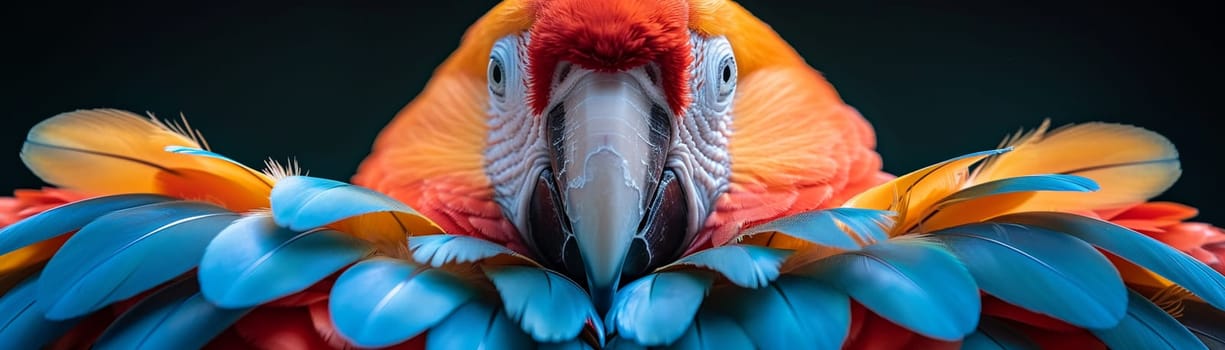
[{"x": 609, "y": 141}]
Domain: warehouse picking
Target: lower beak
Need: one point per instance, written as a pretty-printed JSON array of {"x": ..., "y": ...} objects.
[{"x": 609, "y": 142}]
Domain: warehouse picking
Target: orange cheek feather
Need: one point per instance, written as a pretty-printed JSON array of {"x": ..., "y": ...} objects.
[{"x": 795, "y": 147}]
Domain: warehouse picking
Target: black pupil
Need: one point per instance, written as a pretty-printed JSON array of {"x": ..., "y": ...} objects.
[
  {"x": 727, "y": 73},
  {"x": 496, "y": 73}
]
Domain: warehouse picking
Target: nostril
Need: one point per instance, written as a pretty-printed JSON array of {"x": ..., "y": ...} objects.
[
  {"x": 653, "y": 73},
  {"x": 556, "y": 128},
  {"x": 563, "y": 71}
]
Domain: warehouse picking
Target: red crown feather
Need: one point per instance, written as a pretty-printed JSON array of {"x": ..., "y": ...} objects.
[{"x": 611, "y": 36}]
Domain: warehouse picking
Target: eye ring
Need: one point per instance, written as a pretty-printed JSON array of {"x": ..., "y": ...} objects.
[
  {"x": 497, "y": 76},
  {"x": 727, "y": 75}
]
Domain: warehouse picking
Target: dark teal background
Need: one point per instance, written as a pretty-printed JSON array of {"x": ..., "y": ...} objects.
[{"x": 318, "y": 81}]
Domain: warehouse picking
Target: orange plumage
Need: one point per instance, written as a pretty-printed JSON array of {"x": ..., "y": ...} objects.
[{"x": 795, "y": 145}]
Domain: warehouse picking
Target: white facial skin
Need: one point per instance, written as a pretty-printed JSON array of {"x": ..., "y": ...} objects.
[
  {"x": 699, "y": 150},
  {"x": 698, "y": 153},
  {"x": 609, "y": 139},
  {"x": 516, "y": 145}
]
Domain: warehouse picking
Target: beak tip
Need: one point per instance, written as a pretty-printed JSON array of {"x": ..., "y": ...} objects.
[
  {"x": 602, "y": 294},
  {"x": 604, "y": 274},
  {"x": 606, "y": 212}
]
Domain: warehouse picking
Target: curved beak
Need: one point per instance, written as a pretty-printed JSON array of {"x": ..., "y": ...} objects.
[{"x": 609, "y": 143}]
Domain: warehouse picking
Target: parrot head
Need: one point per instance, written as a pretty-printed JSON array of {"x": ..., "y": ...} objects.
[
  {"x": 629, "y": 112},
  {"x": 604, "y": 134}
]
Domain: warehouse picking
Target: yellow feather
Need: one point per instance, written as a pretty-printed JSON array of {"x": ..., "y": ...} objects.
[
  {"x": 1130, "y": 165},
  {"x": 913, "y": 195},
  {"x": 389, "y": 231},
  {"x": 1135, "y": 275},
  {"x": 1170, "y": 299},
  {"x": 9, "y": 278},
  {"x": 1149, "y": 283},
  {"x": 25, "y": 257},
  {"x": 803, "y": 252},
  {"x": 974, "y": 210},
  {"x": 106, "y": 151}
]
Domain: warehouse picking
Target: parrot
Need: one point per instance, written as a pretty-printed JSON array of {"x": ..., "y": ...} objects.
[{"x": 622, "y": 174}]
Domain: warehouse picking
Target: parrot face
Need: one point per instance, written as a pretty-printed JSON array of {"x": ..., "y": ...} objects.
[
  {"x": 615, "y": 165},
  {"x": 606, "y": 138}
]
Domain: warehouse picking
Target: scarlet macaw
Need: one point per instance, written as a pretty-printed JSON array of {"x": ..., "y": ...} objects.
[{"x": 608, "y": 174}]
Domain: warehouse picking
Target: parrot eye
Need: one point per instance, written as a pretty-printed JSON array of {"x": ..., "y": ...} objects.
[
  {"x": 727, "y": 77},
  {"x": 497, "y": 76},
  {"x": 716, "y": 72}
]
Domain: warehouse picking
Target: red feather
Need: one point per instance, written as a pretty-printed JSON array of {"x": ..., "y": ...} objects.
[
  {"x": 279, "y": 328},
  {"x": 869, "y": 331},
  {"x": 611, "y": 36},
  {"x": 1047, "y": 332},
  {"x": 872, "y": 332}
]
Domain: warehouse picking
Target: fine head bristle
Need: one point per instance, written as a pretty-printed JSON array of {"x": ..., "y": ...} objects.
[
  {"x": 279, "y": 171},
  {"x": 181, "y": 127},
  {"x": 1170, "y": 299},
  {"x": 610, "y": 36}
]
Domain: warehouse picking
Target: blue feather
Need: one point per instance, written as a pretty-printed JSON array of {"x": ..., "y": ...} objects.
[
  {"x": 1137, "y": 248},
  {"x": 710, "y": 330},
  {"x": 794, "y": 312},
  {"x": 67, "y": 218},
  {"x": 993, "y": 334},
  {"x": 568, "y": 345},
  {"x": 747, "y": 266},
  {"x": 714, "y": 331},
  {"x": 1029, "y": 183},
  {"x": 1042, "y": 271},
  {"x": 266, "y": 179},
  {"x": 624, "y": 344},
  {"x": 915, "y": 283},
  {"x": 547, "y": 305},
  {"x": 382, "y": 301},
  {"x": 438, "y": 250},
  {"x": 201, "y": 153},
  {"x": 477, "y": 326},
  {"x": 127, "y": 252},
  {"x": 254, "y": 261},
  {"x": 822, "y": 226},
  {"x": 657, "y": 309},
  {"x": 176, "y": 317},
  {"x": 22, "y": 324},
  {"x": 302, "y": 203},
  {"x": 1147, "y": 327}
]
